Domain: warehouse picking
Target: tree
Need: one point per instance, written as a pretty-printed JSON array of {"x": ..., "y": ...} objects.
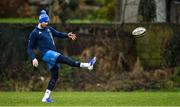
[
  {"x": 10, "y": 8},
  {"x": 147, "y": 10},
  {"x": 107, "y": 11},
  {"x": 66, "y": 8}
]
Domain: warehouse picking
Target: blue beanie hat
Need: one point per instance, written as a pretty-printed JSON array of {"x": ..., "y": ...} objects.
[{"x": 43, "y": 17}]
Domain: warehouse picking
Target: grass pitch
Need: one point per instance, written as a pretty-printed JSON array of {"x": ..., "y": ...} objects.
[{"x": 91, "y": 99}]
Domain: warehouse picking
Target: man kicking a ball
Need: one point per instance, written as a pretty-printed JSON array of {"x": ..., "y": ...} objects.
[{"x": 42, "y": 38}]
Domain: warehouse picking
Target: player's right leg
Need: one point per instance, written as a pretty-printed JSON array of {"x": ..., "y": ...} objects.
[
  {"x": 73, "y": 63},
  {"x": 53, "y": 58},
  {"x": 91, "y": 62}
]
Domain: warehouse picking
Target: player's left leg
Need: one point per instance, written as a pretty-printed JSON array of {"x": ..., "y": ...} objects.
[{"x": 51, "y": 85}]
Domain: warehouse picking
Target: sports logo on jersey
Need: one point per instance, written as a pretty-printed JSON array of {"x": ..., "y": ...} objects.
[{"x": 40, "y": 32}]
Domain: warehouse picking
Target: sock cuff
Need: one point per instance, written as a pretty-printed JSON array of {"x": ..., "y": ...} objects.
[
  {"x": 48, "y": 91},
  {"x": 84, "y": 65}
]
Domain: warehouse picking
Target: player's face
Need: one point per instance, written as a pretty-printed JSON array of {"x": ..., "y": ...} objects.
[{"x": 44, "y": 24}]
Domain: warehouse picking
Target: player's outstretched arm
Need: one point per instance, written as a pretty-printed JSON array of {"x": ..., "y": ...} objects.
[
  {"x": 35, "y": 62},
  {"x": 72, "y": 36},
  {"x": 58, "y": 34}
]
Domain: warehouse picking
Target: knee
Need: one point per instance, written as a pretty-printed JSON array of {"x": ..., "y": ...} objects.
[
  {"x": 54, "y": 68},
  {"x": 54, "y": 73},
  {"x": 55, "y": 78}
]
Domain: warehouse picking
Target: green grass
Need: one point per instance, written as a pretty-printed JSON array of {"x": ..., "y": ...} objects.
[
  {"x": 87, "y": 21},
  {"x": 92, "y": 99},
  {"x": 18, "y": 20},
  {"x": 35, "y": 20}
]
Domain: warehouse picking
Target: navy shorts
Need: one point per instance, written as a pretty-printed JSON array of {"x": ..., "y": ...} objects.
[{"x": 50, "y": 57}]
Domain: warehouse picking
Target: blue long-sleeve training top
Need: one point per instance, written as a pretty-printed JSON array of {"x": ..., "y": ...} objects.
[{"x": 43, "y": 40}]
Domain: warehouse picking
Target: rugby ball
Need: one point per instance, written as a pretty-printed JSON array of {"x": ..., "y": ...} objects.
[{"x": 138, "y": 31}]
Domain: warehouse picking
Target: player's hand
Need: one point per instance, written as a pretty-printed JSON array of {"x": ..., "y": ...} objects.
[
  {"x": 35, "y": 62},
  {"x": 72, "y": 36}
]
